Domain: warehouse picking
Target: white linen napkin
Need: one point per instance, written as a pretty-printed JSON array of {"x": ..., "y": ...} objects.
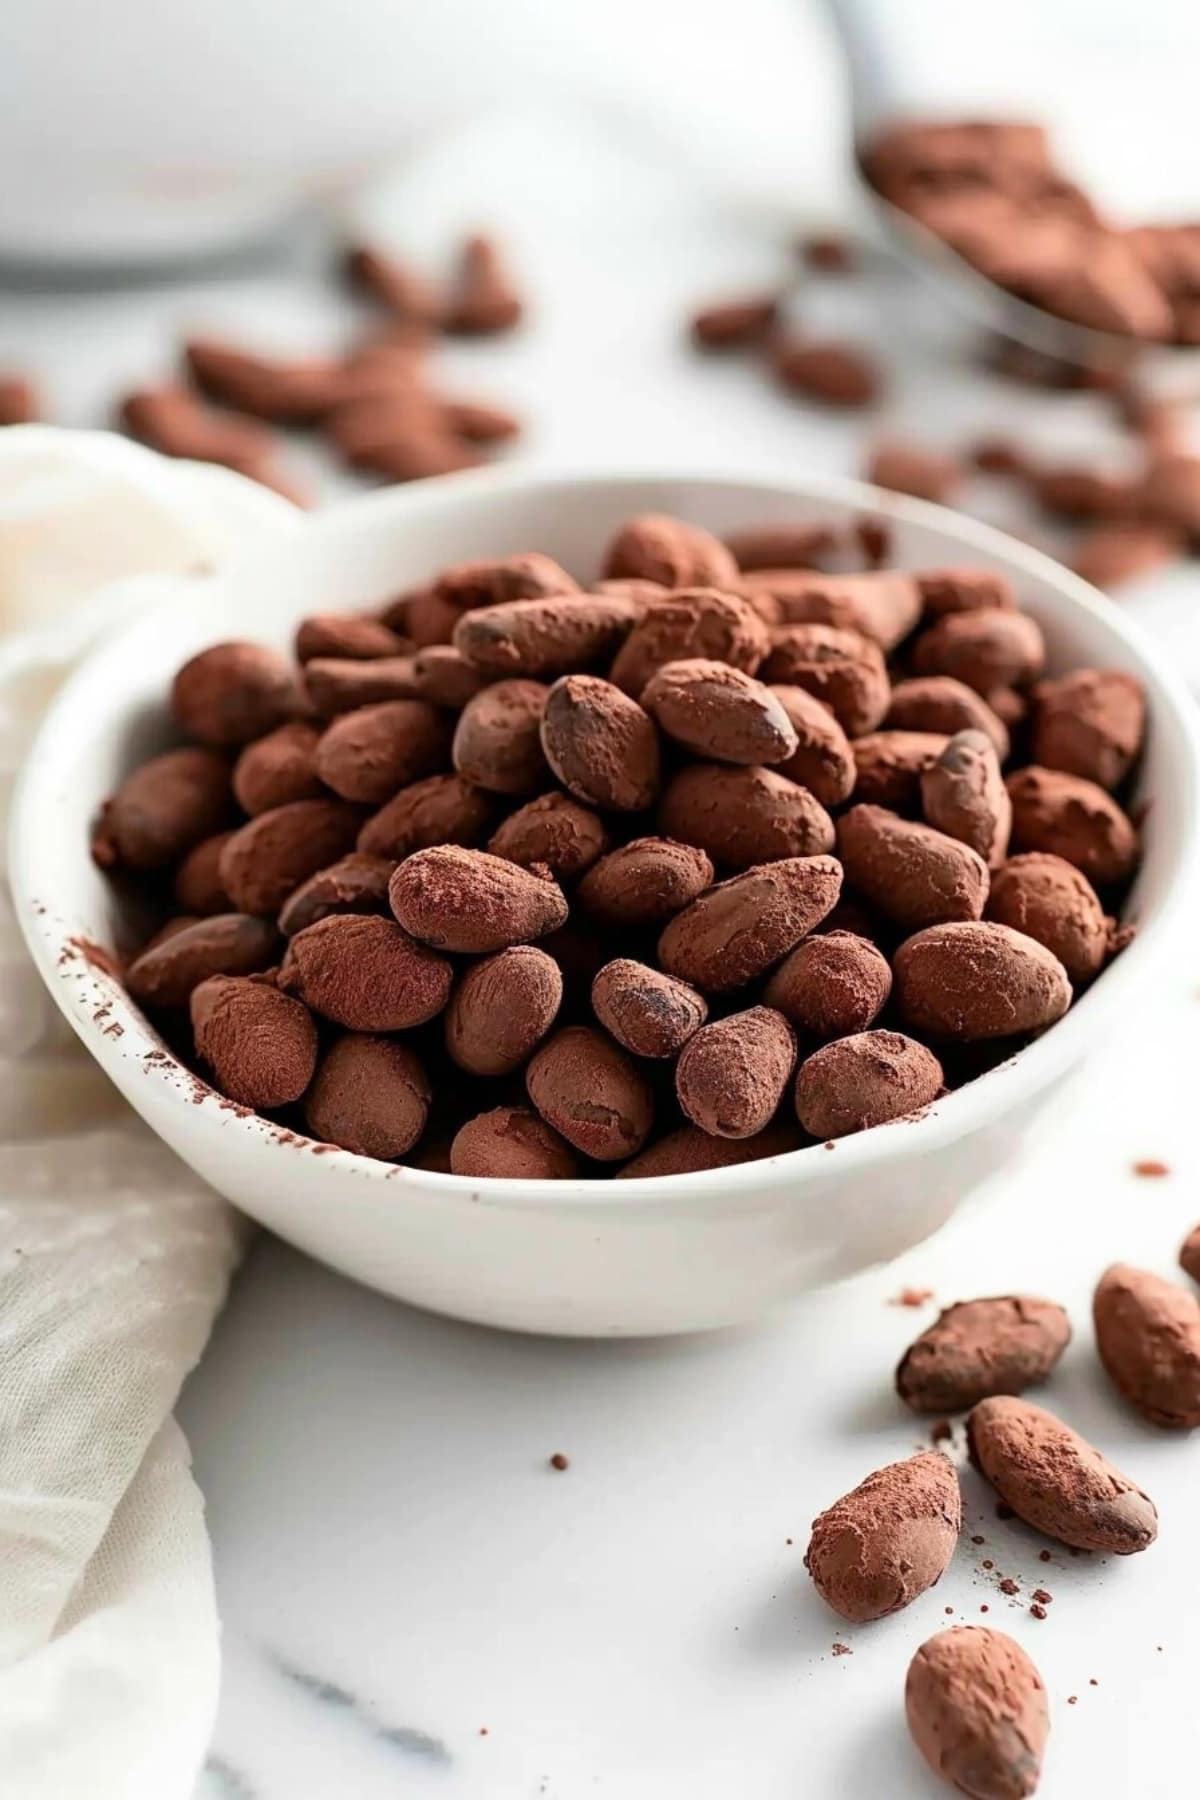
[{"x": 114, "y": 1258}]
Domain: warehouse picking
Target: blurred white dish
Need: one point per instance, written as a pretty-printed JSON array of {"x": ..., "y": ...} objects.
[{"x": 585, "y": 1257}]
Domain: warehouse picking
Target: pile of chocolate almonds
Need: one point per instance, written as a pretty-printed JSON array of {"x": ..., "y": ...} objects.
[
  {"x": 976, "y": 1705},
  {"x": 715, "y": 855}
]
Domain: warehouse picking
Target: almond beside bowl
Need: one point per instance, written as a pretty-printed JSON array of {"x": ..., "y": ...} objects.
[{"x": 582, "y": 1257}]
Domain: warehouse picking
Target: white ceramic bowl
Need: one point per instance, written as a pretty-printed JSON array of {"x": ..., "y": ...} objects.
[{"x": 595, "y": 1258}]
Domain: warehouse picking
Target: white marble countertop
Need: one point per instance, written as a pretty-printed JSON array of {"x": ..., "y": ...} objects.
[{"x": 414, "y": 1602}]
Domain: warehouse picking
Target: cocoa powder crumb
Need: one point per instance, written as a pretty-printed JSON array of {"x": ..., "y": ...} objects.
[
  {"x": 559, "y": 1461},
  {"x": 987, "y": 1563},
  {"x": 1150, "y": 1167},
  {"x": 841, "y": 1649},
  {"x": 985, "y": 1608},
  {"x": 1009, "y": 1586},
  {"x": 911, "y": 1296},
  {"x": 977, "y": 1539},
  {"x": 1043, "y": 1556},
  {"x": 1038, "y": 1612},
  {"x": 1042, "y": 1596},
  {"x": 1072, "y": 1699}
]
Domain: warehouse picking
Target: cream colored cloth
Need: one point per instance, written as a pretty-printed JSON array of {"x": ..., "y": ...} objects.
[{"x": 114, "y": 1258}]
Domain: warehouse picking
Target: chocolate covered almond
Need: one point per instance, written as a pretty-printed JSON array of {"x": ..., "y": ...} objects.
[
  {"x": 972, "y": 980},
  {"x": 978, "y": 1713},
  {"x": 354, "y": 884},
  {"x": 956, "y": 590},
  {"x": 963, "y": 795},
  {"x": 689, "y": 1151},
  {"x": 162, "y": 810},
  {"x": 497, "y": 742},
  {"x": 197, "y": 887},
  {"x": 731, "y": 1075},
  {"x": 276, "y": 769},
  {"x": 1054, "y": 902},
  {"x": 589, "y": 1091},
  {"x": 501, "y": 1010},
  {"x": 334, "y": 685},
  {"x": 868, "y": 1079},
  {"x": 890, "y": 764},
  {"x": 1074, "y": 819},
  {"x": 694, "y": 622},
  {"x": 267, "y": 859},
  {"x": 739, "y": 929},
  {"x": 831, "y": 985},
  {"x": 370, "y": 754},
  {"x": 994, "y": 647},
  {"x": 260, "y": 1045},
  {"x": 467, "y": 901},
  {"x": 554, "y": 829},
  {"x": 169, "y": 968},
  {"x": 1148, "y": 1336},
  {"x": 939, "y": 703},
  {"x": 234, "y": 692},
  {"x": 1089, "y": 723},
  {"x": 442, "y": 809},
  {"x": 545, "y": 638},
  {"x": 655, "y": 547},
  {"x": 649, "y": 1013},
  {"x": 495, "y": 581},
  {"x": 743, "y": 816},
  {"x": 1056, "y": 1481},
  {"x": 909, "y": 872},
  {"x": 351, "y": 636},
  {"x": 840, "y": 667},
  {"x": 978, "y": 1348},
  {"x": 514, "y": 1144},
  {"x": 884, "y": 605},
  {"x": 365, "y": 973},
  {"x": 644, "y": 882},
  {"x": 370, "y": 1095},
  {"x": 887, "y": 1541},
  {"x": 601, "y": 745},
  {"x": 720, "y": 712}
]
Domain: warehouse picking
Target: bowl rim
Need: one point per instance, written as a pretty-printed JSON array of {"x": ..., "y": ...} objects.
[{"x": 978, "y": 1103}]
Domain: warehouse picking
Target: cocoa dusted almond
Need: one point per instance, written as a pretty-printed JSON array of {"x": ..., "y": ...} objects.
[
  {"x": 442, "y": 675},
  {"x": 267, "y": 859},
  {"x": 644, "y": 882},
  {"x": 890, "y": 764},
  {"x": 982, "y": 1347},
  {"x": 442, "y": 809},
  {"x": 823, "y": 760},
  {"x": 501, "y": 1010},
  {"x": 497, "y": 742},
  {"x": 162, "y": 810},
  {"x": 600, "y": 744},
  {"x": 887, "y": 1541},
  {"x": 732, "y": 1074},
  {"x": 831, "y": 985},
  {"x": 977, "y": 1711},
  {"x": 911, "y": 873},
  {"x": 336, "y": 685},
  {"x": 365, "y": 973},
  {"x": 869, "y": 1079},
  {"x": 1052, "y": 901},
  {"x": 369, "y": 754},
  {"x": 693, "y": 622},
  {"x": 354, "y": 884},
  {"x": 484, "y": 298},
  {"x": 545, "y": 637},
  {"x": 555, "y": 830},
  {"x": 938, "y": 703},
  {"x": 719, "y": 712},
  {"x": 739, "y": 929},
  {"x": 261, "y": 1045},
  {"x": 168, "y": 969},
  {"x": 649, "y": 1013},
  {"x": 655, "y": 547},
  {"x": 994, "y": 647},
  {"x": 834, "y": 374},
  {"x": 689, "y": 1150},
  {"x": 840, "y": 667},
  {"x": 234, "y": 692},
  {"x": 346, "y": 636},
  {"x": 1056, "y": 1481},
  {"x": 467, "y": 901},
  {"x": 1074, "y": 819},
  {"x": 1090, "y": 723},
  {"x": 370, "y": 1096},
  {"x": 514, "y": 1144},
  {"x": 743, "y": 816},
  {"x": 799, "y": 546},
  {"x": 277, "y": 769},
  {"x": 963, "y": 795},
  {"x": 591, "y": 1093},
  {"x": 731, "y": 324},
  {"x": 973, "y": 980},
  {"x": 945, "y": 591},
  {"x": 495, "y": 581},
  {"x": 1148, "y": 1336},
  {"x": 883, "y": 605},
  {"x": 423, "y": 616},
  {"x": 197, "y": 887}
]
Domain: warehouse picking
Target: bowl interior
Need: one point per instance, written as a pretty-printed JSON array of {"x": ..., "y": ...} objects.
[{"x": 112, "y": 713}]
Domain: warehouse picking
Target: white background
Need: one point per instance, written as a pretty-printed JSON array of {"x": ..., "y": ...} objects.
[{"x": 393, "y": 1556}]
